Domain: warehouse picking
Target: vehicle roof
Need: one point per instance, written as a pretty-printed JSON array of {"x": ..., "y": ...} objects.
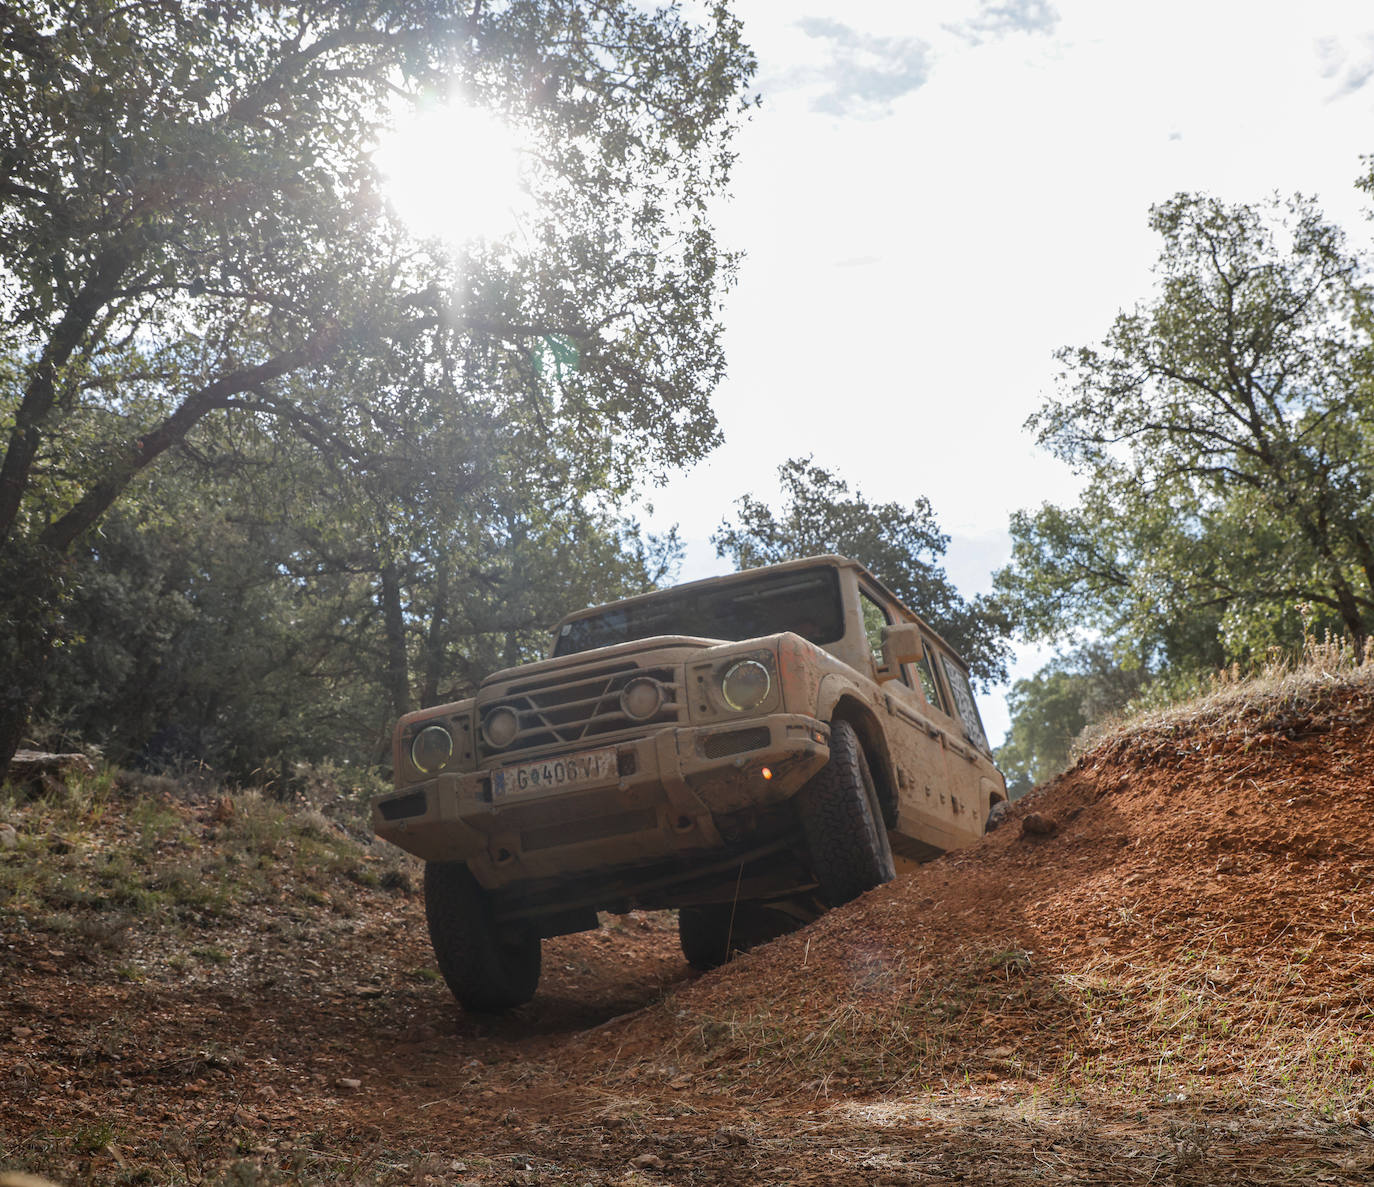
[{"x": 830, "y": 558}]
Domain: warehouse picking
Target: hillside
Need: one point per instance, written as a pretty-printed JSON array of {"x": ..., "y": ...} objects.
[
  {"x": 1199, "y": 922},
  {"x": 1157, "y": 971}
]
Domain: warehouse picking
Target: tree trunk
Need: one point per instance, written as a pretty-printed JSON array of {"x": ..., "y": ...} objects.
[
  {"x": 30, "y": 615},
  {"x": 15, "y": 705},
  {"x": 393, "y": 620},
  {"x": 40, "y": 393},
  {"x": 23, "y": 656},
  {"x": 1365, "y": 553},
  {"x": 434, "y": 642},
  {"x": 30, "y": 571}
]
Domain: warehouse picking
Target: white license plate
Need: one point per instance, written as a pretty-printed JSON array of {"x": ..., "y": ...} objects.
[{"x": 552, "y": 774}]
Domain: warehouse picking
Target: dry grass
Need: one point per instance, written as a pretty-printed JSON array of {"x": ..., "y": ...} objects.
[
  {"x": 1201, "y": 1031},
  {"x": 913, "y": 1023},
  {"x": 1219, "y": 1032},
  {"x": 102, "y": 850},
  {"x": 1242, "y": 702}
]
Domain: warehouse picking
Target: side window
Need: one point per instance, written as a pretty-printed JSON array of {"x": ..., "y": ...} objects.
[
  {"x": 875, "y": 618},
  {"x": 963, "y": 698},
  {"x": 927, "y": 676}
]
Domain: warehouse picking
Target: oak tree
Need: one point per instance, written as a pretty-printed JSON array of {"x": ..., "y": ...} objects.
[
  {"x": 1225, "y": 432},
  {"x": 900, "y": 545},
  {"x": 192, "y": 231}
]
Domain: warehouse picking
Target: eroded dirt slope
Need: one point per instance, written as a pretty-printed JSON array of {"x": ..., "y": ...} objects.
[
  {"x": 1171, "y": 985},
  {"x": 1200, "y": 916}
]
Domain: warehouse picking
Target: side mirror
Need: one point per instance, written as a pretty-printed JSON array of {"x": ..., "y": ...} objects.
[{"x": 901, "y": 645}]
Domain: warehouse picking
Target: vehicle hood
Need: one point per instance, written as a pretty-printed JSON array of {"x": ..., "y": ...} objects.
[{"x": 666, "y": 649}]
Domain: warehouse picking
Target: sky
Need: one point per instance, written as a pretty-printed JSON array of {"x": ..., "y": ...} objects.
[{"x": 933, "y": 198}]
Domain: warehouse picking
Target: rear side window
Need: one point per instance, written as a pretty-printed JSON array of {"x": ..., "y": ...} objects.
[{"x": 963, "y": 701}]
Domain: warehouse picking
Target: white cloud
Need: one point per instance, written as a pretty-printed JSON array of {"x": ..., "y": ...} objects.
[
  {"x": 994, "y": 19},
  {"x": 1347, "y": 61},
  {"x": 864, "y": 72},
  {"x": 861, "y": 73}
]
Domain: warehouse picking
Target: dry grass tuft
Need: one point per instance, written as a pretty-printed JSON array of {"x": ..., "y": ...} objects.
[{"x": 1280, "y": 695}]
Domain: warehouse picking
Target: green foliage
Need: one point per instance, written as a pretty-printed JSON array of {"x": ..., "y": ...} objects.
[
  {"x": 1052, "y": 708},
  {"x": 199, "y": 264},
  {"x": 214, "y": 625},
  {"x": 899, "y": 545},
  {"x": 1226, "y": 431}
]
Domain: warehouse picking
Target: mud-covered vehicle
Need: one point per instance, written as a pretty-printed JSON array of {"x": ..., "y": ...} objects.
[{"x": 749, "y": 749}]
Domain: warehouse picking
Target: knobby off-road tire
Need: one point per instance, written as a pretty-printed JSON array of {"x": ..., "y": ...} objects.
[
  {"x": 842, "y": 822},
  {"x": 996, "y": 814},
  {"x": 488, "y": 968},
  {"x": 704, "y": 933},
  {"x": 710, "y": 935}
]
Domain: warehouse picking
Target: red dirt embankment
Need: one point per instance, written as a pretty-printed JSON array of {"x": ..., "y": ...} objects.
[{"x": 1199, "y": 919}]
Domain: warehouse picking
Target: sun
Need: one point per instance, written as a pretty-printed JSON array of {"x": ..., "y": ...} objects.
[{"x": 453, "y": 172}]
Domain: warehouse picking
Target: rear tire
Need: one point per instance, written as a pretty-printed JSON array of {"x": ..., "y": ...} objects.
[
  {"x": 842, "y": 821},
  {"x": 704, "y": 933},
  {"x": 712, "y": 934},
  {"x": 487, "y": 967}
]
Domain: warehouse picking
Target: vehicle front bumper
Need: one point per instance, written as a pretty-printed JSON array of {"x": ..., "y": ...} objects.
[{"x": 671, "y": 787}]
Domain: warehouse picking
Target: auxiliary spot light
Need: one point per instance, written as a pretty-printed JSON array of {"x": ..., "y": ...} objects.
[
  {"x": 500, "y": 726},
  {"x": 641, "y": 698}
]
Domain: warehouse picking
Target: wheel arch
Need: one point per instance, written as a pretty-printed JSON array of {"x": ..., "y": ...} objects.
[{"x": 996, "y": 793}]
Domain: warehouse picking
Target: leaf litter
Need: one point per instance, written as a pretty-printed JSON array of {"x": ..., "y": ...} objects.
[{"x": 1171, "y": 984}]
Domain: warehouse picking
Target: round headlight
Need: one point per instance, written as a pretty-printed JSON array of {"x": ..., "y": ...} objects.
[
  {"x": 500, "y": 726},
  {"x": 746, "y": 685},
  {"x": 431, "y": 749},
  {"x": 641, "y": 698}
]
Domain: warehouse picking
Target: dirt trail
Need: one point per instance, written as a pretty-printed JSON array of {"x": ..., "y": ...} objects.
[{"x": 1173, "y": 985}]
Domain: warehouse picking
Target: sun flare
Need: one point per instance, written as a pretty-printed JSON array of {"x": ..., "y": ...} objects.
[{"x": 453, "y": 173}]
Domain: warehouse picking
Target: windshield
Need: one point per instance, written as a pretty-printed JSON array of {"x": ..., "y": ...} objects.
[{"x": 804, "y": 601}]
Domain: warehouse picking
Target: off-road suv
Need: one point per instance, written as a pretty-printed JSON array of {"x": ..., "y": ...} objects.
[{"x": 748, "y": 749}]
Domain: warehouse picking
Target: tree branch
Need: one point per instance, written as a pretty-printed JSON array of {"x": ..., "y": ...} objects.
[{"x": 60, "y": 535}]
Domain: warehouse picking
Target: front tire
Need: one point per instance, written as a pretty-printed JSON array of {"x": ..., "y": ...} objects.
[
  {"x": 487, "y": 967},
  {"x": 842, "y": 822}
]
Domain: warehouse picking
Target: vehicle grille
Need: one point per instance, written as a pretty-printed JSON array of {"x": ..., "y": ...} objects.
[{"x": 579, "y": 706}]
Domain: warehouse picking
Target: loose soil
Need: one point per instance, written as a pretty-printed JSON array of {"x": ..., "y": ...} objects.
[{"x": 1159, "y": 970}]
